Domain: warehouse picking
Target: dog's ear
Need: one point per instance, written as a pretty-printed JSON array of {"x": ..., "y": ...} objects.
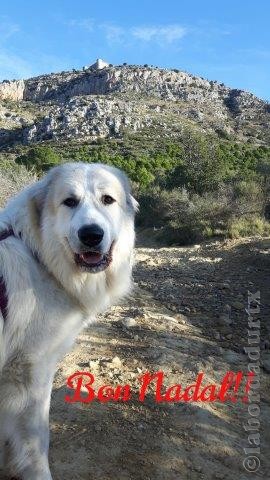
[
  {"x": 131, "y": 201},
  {"x": 39, "y": 194},
  {"x": 36, "y": 201},
  {"x": 134, "y": 204}
]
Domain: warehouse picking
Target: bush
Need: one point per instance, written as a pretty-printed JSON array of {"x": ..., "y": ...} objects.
[
  {"x": 182, "y": 217},
  {"x": 248, "y": 226},
  {"x": 248, "y": 198},
  {"x": 41, "y": 158}
]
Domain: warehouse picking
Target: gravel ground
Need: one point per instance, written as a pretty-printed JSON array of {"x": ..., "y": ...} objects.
[{"x": 185, "y": 316}]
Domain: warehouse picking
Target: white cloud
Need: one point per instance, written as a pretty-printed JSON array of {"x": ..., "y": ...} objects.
[
  {"x": 158, "y": 34},
  {"x": 7, "y": 29},
  {"x": 162, "y": 34},
  {"x": 113, "y": 33},
  {"x": 84, "y": 23}
]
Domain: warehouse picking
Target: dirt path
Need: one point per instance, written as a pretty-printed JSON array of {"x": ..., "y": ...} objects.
[{"x": 187, "y": 315}]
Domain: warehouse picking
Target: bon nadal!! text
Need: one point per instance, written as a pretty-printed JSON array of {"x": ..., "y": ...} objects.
[{"x": 233, "y": 387}]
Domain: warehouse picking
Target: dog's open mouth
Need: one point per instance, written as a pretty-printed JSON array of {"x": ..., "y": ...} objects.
[{"x": 94, "y": 261}]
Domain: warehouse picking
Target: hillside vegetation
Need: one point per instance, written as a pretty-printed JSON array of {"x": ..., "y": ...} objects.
[{"x": 197, "y": 188}]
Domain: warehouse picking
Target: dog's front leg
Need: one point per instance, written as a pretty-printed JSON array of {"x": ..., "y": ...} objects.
[{"x": 30, "y": 441}]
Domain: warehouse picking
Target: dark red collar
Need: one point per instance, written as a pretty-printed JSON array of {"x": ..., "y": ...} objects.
[
  {"x": 3, "y": 290},
  {"x": 6, "y": 233}
]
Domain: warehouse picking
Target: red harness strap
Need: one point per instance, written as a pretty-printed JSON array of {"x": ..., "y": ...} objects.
[{"x": 3, "y": 290}]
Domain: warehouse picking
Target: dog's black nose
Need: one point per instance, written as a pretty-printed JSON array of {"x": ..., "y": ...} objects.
[{"x": 90, "y": 235}]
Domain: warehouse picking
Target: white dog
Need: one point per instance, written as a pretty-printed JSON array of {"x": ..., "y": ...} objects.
[{"x": 66, "y": 257}]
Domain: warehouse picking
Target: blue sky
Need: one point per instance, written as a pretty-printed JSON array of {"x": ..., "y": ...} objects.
[{"x": 226, "y": 41}]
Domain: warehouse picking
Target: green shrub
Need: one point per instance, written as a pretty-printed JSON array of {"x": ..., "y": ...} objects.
[
  {"x": 248, "y": 226},
  {"x": 183, "y": 217},
  {"x": 248, "y": 198},
  {"x": 192, "y": 188},
  {"x": 41, "y": 158}
]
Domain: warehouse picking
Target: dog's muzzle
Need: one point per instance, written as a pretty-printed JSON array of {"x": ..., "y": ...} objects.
[{"x": 93, "y": 260}]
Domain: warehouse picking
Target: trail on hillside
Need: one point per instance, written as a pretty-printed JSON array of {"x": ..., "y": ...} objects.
[{"x": 186, "y": 315}]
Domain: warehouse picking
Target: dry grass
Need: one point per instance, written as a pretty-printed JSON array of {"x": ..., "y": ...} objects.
[
  {"x": 249, "y": 226},
  {"x": 13, "y": 178}
]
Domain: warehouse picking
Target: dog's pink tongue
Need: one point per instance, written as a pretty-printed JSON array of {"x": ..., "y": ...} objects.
[{"x": 92, "y": 258}]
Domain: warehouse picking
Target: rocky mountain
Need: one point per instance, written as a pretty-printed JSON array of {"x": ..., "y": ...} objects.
[{"x": 107, "y": 101}]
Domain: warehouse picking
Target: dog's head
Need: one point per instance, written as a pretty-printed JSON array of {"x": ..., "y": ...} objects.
[{"x": 87, "y": 210}]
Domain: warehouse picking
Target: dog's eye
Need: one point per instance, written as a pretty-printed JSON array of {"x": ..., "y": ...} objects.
[
  {"x": 107, "y": 200},
  {"x": 71, "y": 202}
]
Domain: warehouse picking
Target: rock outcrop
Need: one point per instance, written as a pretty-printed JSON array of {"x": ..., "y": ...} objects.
[
  {"x": 104, "y": 100},
  {"x": 86, "y": 117},
  {"x": 12, "y": 90}
]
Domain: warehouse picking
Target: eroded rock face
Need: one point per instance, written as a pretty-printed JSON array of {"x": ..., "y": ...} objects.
[
  {"x": 104, "y": 102},
  {"x": 89, "y": 116},
  {"x": 165, "y": 84},
  {"x": 12, "y": 90},
  {"x": 153, "y": 82}
]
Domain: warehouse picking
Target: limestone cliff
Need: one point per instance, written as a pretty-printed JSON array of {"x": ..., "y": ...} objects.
[{"x": 105, "y": 101}]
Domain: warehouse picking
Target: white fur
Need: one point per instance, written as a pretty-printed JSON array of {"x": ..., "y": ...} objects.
[{"x": 50, "y": 298}]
